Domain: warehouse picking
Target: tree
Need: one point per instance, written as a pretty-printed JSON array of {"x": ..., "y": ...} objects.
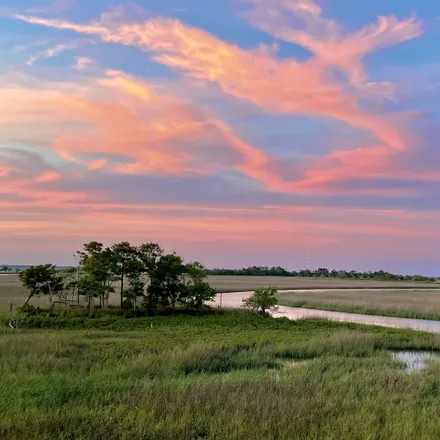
[
  {"x": 136, "y": 283},
  {"x": 70, "y": 284},
  {"x": 41, "y": 280},
  {"x": 197, "y": 292},
  {"x": 4, "y": 268},
  {"x": 263, "y": 300},
  {"x": 97, "y": 265},
  {"x": 90, "y": 287},
  {"x": 150, "y": 254},
  {"x": 197, "y": 295},
  {"x": 123, "y": 254},
  {"x": 92, "y": 248},
  {"x": 195, "y": 272},
  {"x": 167, "y": 282}
]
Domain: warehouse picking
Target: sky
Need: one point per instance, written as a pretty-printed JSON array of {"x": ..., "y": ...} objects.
[{"x": 234, "y": 132}]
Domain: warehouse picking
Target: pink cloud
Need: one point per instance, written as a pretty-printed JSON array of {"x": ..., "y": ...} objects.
[
  {"x": 325, "y": 39},
  {"x": 279, "y": 86},
  {"x": 49, "y": 176},
  {"x": 352, "y": 231},
  {"x": 119, "y": 124},
  {"x": 148, "y": 133},
  {"x": 97, "y": 164}
]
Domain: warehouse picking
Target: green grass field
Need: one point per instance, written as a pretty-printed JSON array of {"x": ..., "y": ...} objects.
[
  {"x": 228, "y": 375},
  {"x": 423, "y": 304}
]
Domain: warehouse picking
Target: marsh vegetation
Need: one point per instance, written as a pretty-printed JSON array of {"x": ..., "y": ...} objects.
[{"x": 221, "y": 375}]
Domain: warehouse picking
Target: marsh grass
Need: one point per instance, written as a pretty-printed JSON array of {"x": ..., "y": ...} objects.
[
  {"x": 423, "y": 304},
  {"x": 225, "y": 283},
  {"x": 11, "y": 290},
  {"x": 219, "y": 376}
]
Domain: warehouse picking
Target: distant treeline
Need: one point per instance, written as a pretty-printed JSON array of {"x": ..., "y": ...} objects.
[{"x": 318, "y": 273}]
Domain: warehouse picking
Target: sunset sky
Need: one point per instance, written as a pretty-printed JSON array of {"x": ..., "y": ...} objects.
[{"x": 235, "y": 132}]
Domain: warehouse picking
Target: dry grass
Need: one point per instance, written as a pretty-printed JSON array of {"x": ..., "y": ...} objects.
[
  {"x": 11, "y": 290},
  {"x": 241, "y": 283}
]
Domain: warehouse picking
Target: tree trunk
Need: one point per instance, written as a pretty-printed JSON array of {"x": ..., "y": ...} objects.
[
  {"x": 122, "y": 289},
  {"x": 173, "y": 303}
]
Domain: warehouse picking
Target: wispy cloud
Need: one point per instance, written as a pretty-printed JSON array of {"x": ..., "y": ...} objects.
[
  {"x": 325, "y": 39},
  {"x": 83, "y": 63},
  {"x": 165, "y": 135},
  {"x": 51, "y": 52},
  {"x": 279, "y": 85}
]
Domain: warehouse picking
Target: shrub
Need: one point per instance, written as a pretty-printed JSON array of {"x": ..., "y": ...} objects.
[{"x": 263, "y": 300}]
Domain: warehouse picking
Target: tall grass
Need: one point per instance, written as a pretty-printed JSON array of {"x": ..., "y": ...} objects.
[
  {"x": 220, "y": 376},
  {"x": 393, "y": 312},
  {"x": 424, "y": 304}
]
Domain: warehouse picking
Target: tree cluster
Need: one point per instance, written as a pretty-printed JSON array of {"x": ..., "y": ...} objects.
[
  {"x": 146, "y": 276},
  {"x": 319, "y": 273}
]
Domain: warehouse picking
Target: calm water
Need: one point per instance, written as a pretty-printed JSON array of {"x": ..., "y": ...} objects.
[
  {"x": 234, "y": 300},
  {"x": 415, "y": 360}
]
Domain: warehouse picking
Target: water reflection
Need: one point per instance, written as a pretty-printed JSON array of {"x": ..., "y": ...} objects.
[
  {"x": 415, "y": 360},
  {"x": 235, "y": 300}
]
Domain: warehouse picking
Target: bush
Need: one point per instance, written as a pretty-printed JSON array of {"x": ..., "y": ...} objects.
[{"x": 263, "y": 300}]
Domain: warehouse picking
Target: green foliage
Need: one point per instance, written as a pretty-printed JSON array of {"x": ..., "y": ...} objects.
[
  {"x": 124, "y": 257},
  {"x": 149, "y": 255},
  {"x": 135, "y": 289},
  {"x": 149, "y": 279},
  {"x": 167, "y": 280},
  {"x": 196, "y": 272},
  {"x": 197, "y": 295},
  {"x": 228, "y": 375},
  {"x": 41, "y": 280},
  {"x": 263, "y": 300},
  {"x": 97, "y": 265},
  {"x": 197, "y": 292}
]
